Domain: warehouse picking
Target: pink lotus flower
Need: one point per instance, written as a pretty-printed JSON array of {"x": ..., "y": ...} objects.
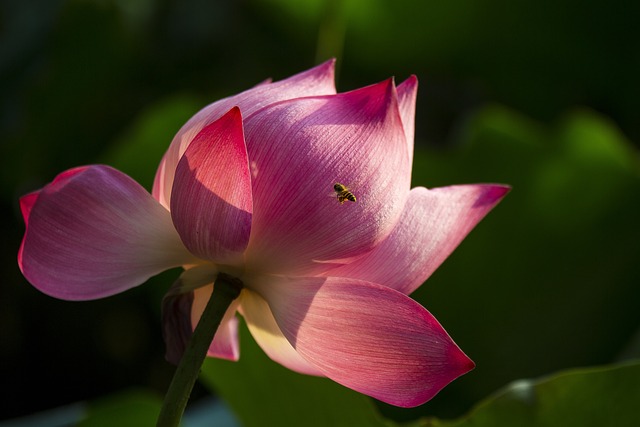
[{"x": 247, "y": 188}]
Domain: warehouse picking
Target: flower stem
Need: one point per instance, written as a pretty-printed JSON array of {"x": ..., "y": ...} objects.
[{"x": 225, "y": 290}]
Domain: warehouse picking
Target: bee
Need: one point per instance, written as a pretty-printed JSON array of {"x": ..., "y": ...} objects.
[{"x": 343, "y": 193}]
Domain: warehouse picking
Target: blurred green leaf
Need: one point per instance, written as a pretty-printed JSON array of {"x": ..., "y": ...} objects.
[
  {"x": 549, "y": 279},
  {"x": 606, "y": 396},
  {"x": 127, "y": 409},
  {"x": 262, "y": 393},
  {"x": 138, "y": 152}
]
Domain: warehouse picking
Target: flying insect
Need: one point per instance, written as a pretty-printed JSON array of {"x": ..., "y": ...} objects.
[{"x": 343, "y": 193}]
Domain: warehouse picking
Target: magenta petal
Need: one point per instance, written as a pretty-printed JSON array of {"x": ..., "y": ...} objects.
[
  {"x": 316, "y": 81},
  {"x": 367, "y": 337},
  {"x": 298, "y": 150},
  {"x": 211, "y": 202},
  {"x": 29, "y": 200},
  {"x": 407, "y": 94},
  {"x": 433, "y": 224},
  {"x": 26, "y": 204},
  {"x": 95, "y": 232}
]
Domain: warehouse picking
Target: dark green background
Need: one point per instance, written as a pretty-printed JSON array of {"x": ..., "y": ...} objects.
[{"x": 542, "y": 95}]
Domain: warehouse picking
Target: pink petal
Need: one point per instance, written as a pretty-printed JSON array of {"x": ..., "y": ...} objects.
[
  {"x": 211, "y": 202},
  {"x": 26, "y": 204},
  {"x": 433, "y": 224},
  {"x": 407, "y": 94},
  {"x": 225, "y": 344},
  {"x": 298, "y": 150},
  {"x": 367, "y": 337},
  {"x": 316, "y": 81},
  {"x": 29, "y": 200},
  {"x": 95, "y": 232},
  {"x": 267, "y": 334}
]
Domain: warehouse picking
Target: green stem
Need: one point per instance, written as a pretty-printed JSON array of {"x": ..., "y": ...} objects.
[{"x": 225, "y": 290}]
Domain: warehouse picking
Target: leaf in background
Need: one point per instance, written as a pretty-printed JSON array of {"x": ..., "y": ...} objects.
[
  {"x": 264, "y": 394},
  {"x": 138, "y": 152},
  {"x": 127, "y": 409},
  {"x": 549, "y": 279},
  {"x": 493, "y": 47},
  {"x": 606, "y": 396}
]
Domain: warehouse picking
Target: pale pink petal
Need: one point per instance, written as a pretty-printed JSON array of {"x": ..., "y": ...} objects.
[
  {"x": 95, "y": 232},
  {"x": 162, "y": 182},
  {"x": 211, "y": 202},
  {"x": 432, "y": 225},
  {"x": 298, "y": 150},
  {"x": 225, "y": 344},
  {"x": 267, "y": 334},
  {"x": 367, "y": 337},
  {"x": 407, "y": 94},
  {"x": 316, "y": 81}
]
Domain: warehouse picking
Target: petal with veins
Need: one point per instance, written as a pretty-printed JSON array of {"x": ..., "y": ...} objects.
[
  {"x": 432, "y": 225},
  {"x": 316, "y": 81},
  {"x": 298, "y": 150},
  {"x": 211, "y": 201},
  {"x": 367, "y": 337},
  {"x": 95, "y": 232},
  {"x": 407, "y": 93}
]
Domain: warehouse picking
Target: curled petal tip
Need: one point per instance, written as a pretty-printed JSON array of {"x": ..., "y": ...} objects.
[
  {"x": 461, "y": 362},
  {"x": 407, "y": 91},
  {"x": 407, "y": 95},
  {"x": 26, "y": 204},
  {"x": 379, "y": 100},
  {"x": 234, "y": 114},
  {"x": 327, "y": 66},
  {"x": 329, "y": 63},
  {"x": 493, "y": 193},
  {"x": 411, "y": 80}
]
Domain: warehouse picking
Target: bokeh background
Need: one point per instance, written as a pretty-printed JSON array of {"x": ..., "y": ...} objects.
[{"x": 542, "y": 95}]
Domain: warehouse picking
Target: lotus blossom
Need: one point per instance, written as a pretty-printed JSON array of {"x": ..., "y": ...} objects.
[{"x": 246, "y": 188}]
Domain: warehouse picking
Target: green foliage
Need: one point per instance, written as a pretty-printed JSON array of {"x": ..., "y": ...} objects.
[
  {"x": 263, "y": 393},
  {"x": 539, "y": 56},
  {"x": 127, "y": 409},
  {"x": 138, "y": 152},
  {"x": 606, "y": 396},
  {"x": 548, "y": 280}
]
